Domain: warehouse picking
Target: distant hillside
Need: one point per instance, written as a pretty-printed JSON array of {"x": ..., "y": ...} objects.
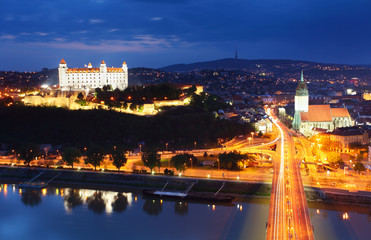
[{"x": 232, "y": 64}]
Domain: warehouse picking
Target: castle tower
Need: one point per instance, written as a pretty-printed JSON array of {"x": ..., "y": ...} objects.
[
  {"x": 103, "y": 73},
  {"x": 125, "y": 70},
  {"x": 301, "y": 102},
  {"x": 62, "y": 75}
]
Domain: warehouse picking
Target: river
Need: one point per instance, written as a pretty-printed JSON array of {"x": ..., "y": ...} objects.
[{"x": 66, "y": 213}]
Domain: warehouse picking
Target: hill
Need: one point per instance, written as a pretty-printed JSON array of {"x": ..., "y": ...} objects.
[{"x": 239, "y": 64}]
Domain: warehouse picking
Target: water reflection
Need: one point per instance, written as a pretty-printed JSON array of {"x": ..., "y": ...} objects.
[
  {"x": 120, "y": 203},
  {"x": 181, "y": 208},
  {"x": 152, "y": 206},
  {"x": 72, "y": 198},
  {"x": 31, "y": 197},
  {"x": 96, "y": 203}
]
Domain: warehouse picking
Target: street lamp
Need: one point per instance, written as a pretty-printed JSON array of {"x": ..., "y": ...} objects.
[
  {"x": 195, "y": 145},
  {"x": 166, "y": 146}
]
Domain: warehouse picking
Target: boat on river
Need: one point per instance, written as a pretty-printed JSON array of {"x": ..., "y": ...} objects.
[
  {"x": 193, "y": 196},
  {"x": 33, "y": 185},
  {"x": 187, "y": 195}
]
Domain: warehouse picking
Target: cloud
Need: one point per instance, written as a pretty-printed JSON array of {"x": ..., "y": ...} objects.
[
  {"x": 59, "y": 39},
  {"x": 95, "y": 21},
  {"x": 114, "y": 30},
  {"x": 155, "y": 19},
  {"x": 8, "y": 37},
  {"x": 42, "y": 33},
  {"x": 140, "y": 43},
  {"x": 9, "y": 18},
  {"x": 79, "y": 32}
]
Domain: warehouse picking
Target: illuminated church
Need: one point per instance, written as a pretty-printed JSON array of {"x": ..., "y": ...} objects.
[
  {"x": 307, "y": 117},
  {"x": 88, "y": 78}
]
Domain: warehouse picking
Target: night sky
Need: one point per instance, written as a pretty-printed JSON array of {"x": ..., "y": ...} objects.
[{"x": 155, "y": 33}]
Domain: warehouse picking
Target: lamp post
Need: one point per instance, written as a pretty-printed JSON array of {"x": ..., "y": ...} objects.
[
  {"x": 195, "y": 143},
  {"x": 166, "y": 144}
]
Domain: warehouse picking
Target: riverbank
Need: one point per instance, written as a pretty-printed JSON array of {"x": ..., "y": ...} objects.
[{"x": 138, "y": 182}]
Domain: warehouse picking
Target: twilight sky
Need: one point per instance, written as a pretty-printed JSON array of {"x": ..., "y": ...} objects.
[{"x": 155, "y": 33}]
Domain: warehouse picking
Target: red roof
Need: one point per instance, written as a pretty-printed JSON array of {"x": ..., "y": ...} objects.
[
  {"x": 62, "y": 61},
  {"x": 340, "y": 112},
  {"x": 317, "y": 113},
  {"x": 102, "y": 62}
]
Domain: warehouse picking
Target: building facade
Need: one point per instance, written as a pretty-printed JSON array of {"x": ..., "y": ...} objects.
[
  {"x": 88, "y": 78},
  {"x": 307, "y": 117}
]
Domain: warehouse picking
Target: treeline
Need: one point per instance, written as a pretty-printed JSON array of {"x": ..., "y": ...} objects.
[
  {"x": 138, "y": 94},
  {"x": 180, "y": 128}
]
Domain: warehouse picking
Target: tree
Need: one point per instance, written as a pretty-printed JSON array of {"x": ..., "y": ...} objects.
[
  {"x": 118, "y": 158},
  {"x": 179, "y": 162},
  {"x": 152, "y": 207},
  {"x": 358, "y": 167},
  {"x": 31, "y": 197},
  {"x": 231, "y": 160},
  {"x": 120, "y": 203},
  {"x": 71, "y": 155},
  {"x": 73, "y": 198},
  {"x": 133, "y": 107},
  {"x": 28, "y": 152},
  {"x": 334, "y": 160},
  {"x": 80, "y": 96},
  {"x": 125, "y": 105},
  {"x": 95, "y": 156},
  {"x": 96, "y": 202},
  {"x": 151, "y": 158}
]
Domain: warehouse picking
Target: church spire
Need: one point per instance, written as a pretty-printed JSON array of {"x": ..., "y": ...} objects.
[{"x": 301, "y": 78}]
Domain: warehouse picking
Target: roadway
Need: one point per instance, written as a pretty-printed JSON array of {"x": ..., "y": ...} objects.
[{"x": 288, "y": 213}]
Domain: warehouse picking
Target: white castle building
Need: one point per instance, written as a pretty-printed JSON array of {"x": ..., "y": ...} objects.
[{"x": 84, "y": 79}]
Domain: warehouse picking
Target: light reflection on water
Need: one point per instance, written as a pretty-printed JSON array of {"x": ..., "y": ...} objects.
[{"x": 67, "y": 213}]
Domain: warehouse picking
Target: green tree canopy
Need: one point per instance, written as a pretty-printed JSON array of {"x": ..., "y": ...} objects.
[
  {"x": 71, "y": 155},
  {"x": 181, "y": 161},
  {"x": 95, "y": 156},
  {"x": 28, "y": 153},
  {"x": 80, "y": 96},
  {"x": 231, "y": 160},
  {"x": 358, "y": 166},
  {"x": 118, "y": 158},
  {"x": 151, "y": 158},
  {"x": 334, "y": 159}
]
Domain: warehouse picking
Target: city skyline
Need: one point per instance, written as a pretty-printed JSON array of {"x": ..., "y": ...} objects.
[{"x": 159, "y": 33}]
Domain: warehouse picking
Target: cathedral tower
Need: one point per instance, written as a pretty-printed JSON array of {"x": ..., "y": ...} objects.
[{"x": 301, "y": 102}]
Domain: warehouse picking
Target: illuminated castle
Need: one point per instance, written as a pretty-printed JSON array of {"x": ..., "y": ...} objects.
[{"x": 84, "y": 79}]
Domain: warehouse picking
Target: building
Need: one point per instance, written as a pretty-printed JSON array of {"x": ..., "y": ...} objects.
[
  {"x": 85, "y": 79},
  {"x": 344, "y": 137},
  {"x": 307, "y": 117}
]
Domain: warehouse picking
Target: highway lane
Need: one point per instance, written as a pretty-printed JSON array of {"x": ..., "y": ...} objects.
[{"x": 288, "y": 214}]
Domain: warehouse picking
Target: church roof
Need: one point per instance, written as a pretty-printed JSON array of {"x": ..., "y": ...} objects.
[
  {"x": 323, "y": 113},
  {"x": 317, "y": 113},
  {"x": 340, "y": 112}
]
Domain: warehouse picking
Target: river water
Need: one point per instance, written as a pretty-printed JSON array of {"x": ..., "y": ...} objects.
[{"x": 64, "y": 213}]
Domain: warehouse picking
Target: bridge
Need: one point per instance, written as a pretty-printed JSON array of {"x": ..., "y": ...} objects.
[{"x": 288, "y": 212}]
